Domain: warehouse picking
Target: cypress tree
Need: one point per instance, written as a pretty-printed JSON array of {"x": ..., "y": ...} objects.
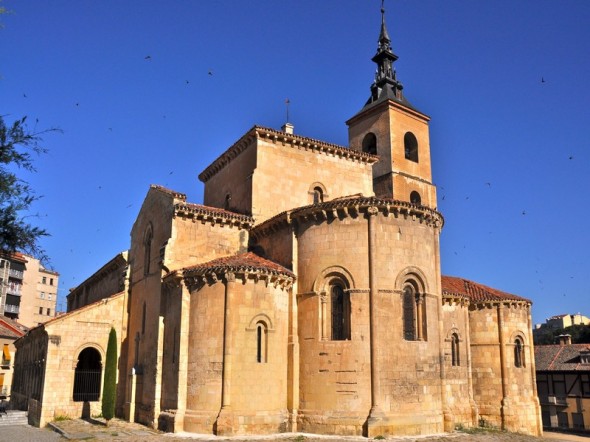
[{"x": 109, "y": 392}]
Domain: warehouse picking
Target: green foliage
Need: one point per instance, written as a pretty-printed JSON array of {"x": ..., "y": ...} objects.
[
  {"x": 17, "y": 144},
  {"x": 109, "y": 393},
  {"x": 61, "y": 417},
  {"x": 547, "y": 336},
  {"x": 379, "y": 437},
  {"x": 299, "y": 438}
]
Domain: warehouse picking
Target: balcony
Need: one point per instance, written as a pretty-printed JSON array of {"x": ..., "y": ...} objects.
[
  {"x": 13, "y": 290},
  {"x": 18, "y": 274},
  {"x": 9, "y": 308}
]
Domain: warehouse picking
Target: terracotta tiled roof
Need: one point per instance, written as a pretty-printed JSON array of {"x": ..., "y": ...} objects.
[
  {"x": 452, "y": 285},
  {"x": 560, "y": 357},
  {"x": 11, "y": 329},
  {"x": 354, "y": 202},
  {"x": 245, "y": 262}
]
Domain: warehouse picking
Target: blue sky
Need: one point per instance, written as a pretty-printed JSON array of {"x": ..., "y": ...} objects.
[{"x": 505, "y": 83}]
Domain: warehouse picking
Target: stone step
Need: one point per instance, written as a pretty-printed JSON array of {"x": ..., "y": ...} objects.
[{"x": 14, "y": 417}]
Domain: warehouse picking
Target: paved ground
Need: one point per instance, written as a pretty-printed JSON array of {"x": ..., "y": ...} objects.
[{"x": 79, "y": 430}]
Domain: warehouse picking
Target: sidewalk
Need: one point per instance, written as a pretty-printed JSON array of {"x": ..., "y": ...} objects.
[{"x": 123, "y": 431}]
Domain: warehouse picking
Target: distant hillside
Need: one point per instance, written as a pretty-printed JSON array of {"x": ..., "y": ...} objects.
[{"x": 545, "y": 335}]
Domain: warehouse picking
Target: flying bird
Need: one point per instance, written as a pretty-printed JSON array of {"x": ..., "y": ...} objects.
[
  {"x": 542, "y": 80},
  {"x": 147, "y": 57},
  {"x": 210, "y": 72},
  {"x": 571, "y": 157},
  {"x": 524, "y": 212}
]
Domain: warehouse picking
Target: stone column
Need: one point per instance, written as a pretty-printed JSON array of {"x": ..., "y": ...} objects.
[
  {"x": 224, "y": 424},
  {"x": 324, "y": 316},
  {"x": 293, "y": 343},
  {"x": 531, "y": 362},
  {"x": 375, "y": 418},
  {"x": 505, "y": 407}
]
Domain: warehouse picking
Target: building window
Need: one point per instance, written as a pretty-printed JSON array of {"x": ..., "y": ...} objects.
[
  {"x": 50, "y": 281},
  {"x": 227, "y": 201},
  {"x": 48, "y": 312},
  {"x": 415, "y": 198},
  {"x": 414, "y": 313},
  {"x": 370, "y": 143},
  {"x": 147, "y": 242},
  {"x": 261, "y": 342},
  {"x": 455, "y": 361},
  {"x": 42, "y": 296},
  {"x": 49, "y": 296},
  {"x": 518, "y": 353},
  {"x": 44, "y": 280},
  {"x": 318, "y": 195},
  {"x": 340, "y": 302},
  {"x": 411, "y": 147},
  {"x": 143, "y": 314},
  {"x": 40, "y": 310}
]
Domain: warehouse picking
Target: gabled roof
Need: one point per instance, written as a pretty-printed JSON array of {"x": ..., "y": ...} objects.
[
  {"x": 453, "y": 286},
  {"x": 11, "y": 329},
  {"x": 560, "y": 357}
]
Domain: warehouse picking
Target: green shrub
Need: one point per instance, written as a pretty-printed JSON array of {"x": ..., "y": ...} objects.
[{"x": 109, "y": 393}]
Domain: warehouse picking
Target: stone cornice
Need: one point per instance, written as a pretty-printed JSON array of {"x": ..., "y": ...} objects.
[
  {"x": 170, "y": 192},
  {"x": 495, "y": 303},
  {"x": 240, "y": 274},
  {"x": 212, "y": 215},
  {"x": 118, "y": 262},
  {"x": 341, "y": 208},
  {"x": 285, "y": 139}
]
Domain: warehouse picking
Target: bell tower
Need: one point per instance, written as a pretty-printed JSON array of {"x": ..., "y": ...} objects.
[{"x": 390, "y": 127}]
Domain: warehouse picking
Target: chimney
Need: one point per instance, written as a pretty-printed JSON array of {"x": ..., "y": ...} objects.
[
  {"x": 288, "y": 128},
  {"x": 564, "y": 339}
]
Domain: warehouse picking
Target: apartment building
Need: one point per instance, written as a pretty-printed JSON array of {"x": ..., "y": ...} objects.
[{"x": 28, "y": 291}]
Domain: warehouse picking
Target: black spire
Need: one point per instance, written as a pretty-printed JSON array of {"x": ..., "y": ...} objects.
[{"x": 386, "y": 84}]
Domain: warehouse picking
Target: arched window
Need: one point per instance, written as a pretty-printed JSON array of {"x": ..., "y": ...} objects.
[
  {"x": 409, "y": 312},
  {"x": 415, "y": 198},
  {"x": 87, "y": 376},
  {"x": 370, "y": 143},
  {"x": 143, "y": 314},
  {"x": 261, "y": 342},
  {"x": 518, "y": 353},
  {"x": 147, "y": 243},
  {"x": 411, "y": 147},
  {"x": 455, "y": 359},
  {"x": 318, "y": 195},
  {"x": 227, "y": 201},
  {"x": 414, "y": 313},
  {"x": 340, "y": 302}
]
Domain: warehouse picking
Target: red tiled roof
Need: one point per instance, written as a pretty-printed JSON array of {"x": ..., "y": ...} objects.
[
  {"x": 11, "y": 329},
  {"x": 242, "y": 262},
  {"x": 452, "y": 285},
  {"x": 560, "y": 357}
]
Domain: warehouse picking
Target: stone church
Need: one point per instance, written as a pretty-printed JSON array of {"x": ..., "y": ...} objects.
[{"x": 305, "y": 294}]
